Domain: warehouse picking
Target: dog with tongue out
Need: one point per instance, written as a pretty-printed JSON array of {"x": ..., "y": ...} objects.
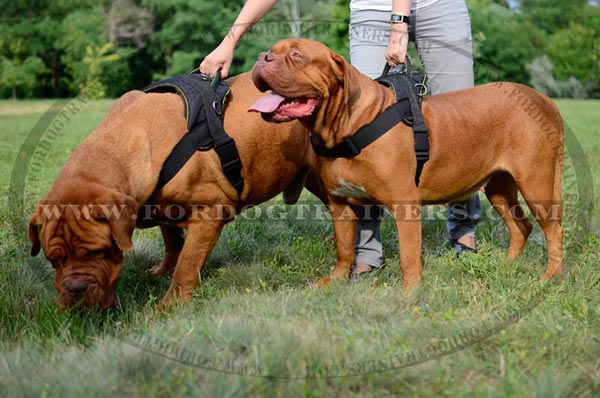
[
  {"x": 275, "y": 108},
  {"x": 278, "y": 106},
  {"x": 477, "y": 137}
]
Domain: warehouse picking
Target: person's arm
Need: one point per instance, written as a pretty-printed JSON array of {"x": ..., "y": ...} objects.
[
  {"x": 222, "y": 56},
  {"x": 398, "y": 45}
]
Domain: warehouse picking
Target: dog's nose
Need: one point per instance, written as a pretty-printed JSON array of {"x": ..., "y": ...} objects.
[
  {"x": 77, "y": 287},
  {"x": 265, "y": 57}
]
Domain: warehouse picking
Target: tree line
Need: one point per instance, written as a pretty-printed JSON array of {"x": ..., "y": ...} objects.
[{"x": 54, "y": 48}]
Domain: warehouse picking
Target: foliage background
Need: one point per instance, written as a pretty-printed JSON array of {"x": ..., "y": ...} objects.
[{"x": 51, "y": 48}]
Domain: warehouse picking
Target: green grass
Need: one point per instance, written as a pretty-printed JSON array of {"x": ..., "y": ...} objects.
[{"x": 255, "y": 314}]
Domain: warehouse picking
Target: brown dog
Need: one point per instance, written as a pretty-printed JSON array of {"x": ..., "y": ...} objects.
[
  {"x": 505, "y": 136},
  {"x": 86, "y": 221}
]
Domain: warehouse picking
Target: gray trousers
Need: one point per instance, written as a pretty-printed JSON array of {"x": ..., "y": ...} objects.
[{"x": 442, "y": 35}]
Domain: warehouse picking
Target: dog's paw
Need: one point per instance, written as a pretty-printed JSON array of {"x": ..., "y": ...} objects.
[
  {"x": 157, "y": 270},
  {"x": 411, "y": 282},
  {"x": 176, "y": 296},
  {"x": 167, "y": 265},
  {"x": 328, "y": 239},
  {"x": 550, "y": 274},
  {"x": 323, "y": 282}
]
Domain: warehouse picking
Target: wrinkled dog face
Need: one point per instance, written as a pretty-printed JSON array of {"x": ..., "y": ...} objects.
[
  {"x": 86, "y": 250},
  {"x": 303, "y": 75}
]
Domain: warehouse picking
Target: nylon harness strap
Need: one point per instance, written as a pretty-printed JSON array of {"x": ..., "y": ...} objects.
[
  {"x": 419, "y": 128},
  {"x": 406, "y": 109},
  {"x": 354, "y": 144},
  {"x": 204, "y": 103}
]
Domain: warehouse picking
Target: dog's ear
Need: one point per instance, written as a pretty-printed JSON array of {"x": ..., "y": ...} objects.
[
  {"x": 341, "y": 69},
  {"x": 338, "y": 64},
  {"x": 122, "y": 231},
  {"x": 34, "y": 233},
  {"x": 123, "y": 226},
  {"x": 120, "y": 214}
]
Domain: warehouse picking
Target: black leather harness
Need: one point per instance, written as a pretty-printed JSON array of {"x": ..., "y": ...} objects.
[
  {"x": 409, "y": 88},
  {"x": 204, "y": 102}
]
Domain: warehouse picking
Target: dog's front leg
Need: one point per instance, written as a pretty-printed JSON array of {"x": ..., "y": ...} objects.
[
  {"x": 174, "y": 239},
  {"x": 407, "y": 216},
  {"x": 200, "y": 240},
  {"x": 344, "y": 227}
]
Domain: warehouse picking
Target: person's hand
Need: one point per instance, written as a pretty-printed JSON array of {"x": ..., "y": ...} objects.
[
  {"x": 398, "y": 45},
  {"x": 220, "y": 58}
]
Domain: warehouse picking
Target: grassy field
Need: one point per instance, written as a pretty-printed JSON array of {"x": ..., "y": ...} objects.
[{"x": 475, "y": 327}]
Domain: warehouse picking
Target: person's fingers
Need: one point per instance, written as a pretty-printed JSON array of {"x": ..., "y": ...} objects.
[
  {"x": 210, "y": 68},
  {"x": 205, "y": 66},
  {"x": 224, "y": 67},
  {"x": 394, "y": 59}
]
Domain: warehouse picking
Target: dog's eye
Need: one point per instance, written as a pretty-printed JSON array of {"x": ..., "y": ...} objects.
[
  {"x": 297, "y": 54},
  {"x": 94, "y": 254},
  {"x": 56, "y": 262},
  {"x": 56, "y": 258}
]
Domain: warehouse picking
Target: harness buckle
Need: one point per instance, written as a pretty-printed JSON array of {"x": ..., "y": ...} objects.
[
  {"x": 228, "y": 155},
  {"x": 422, "y": 155},
  {"x": 226, "y": 146},
  {"x": 231, "y": 165}
]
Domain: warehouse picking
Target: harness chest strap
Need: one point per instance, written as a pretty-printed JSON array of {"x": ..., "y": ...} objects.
[{"x": 353, "y": 145}]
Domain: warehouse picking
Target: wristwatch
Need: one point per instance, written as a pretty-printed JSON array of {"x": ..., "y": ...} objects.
[{"x": 400, "y": 18}]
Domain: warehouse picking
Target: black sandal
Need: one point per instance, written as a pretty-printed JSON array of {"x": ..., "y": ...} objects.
[{"x": 461, "y": 248}]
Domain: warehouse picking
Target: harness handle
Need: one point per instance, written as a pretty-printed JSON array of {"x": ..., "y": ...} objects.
[
  {"x": 407, "y": 66},
  {"x": 215, "y": 80}
]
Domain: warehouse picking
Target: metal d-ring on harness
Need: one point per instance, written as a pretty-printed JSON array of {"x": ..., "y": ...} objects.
[
  {"x": 409, "y": 88},
  {"x": 204, "y": 101}
]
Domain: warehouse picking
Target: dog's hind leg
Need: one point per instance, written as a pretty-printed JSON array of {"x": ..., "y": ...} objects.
[
  {"x": 542, "y": 191},
  {"x": 502, "y": 192},
  {"x": 174, "y": 239}
]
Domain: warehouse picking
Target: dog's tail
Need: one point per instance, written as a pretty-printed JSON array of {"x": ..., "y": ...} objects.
[{"x": 559, "y": 140}]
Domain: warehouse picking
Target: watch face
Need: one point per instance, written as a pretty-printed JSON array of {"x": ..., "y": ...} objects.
[{"x": 399, "y": 18}]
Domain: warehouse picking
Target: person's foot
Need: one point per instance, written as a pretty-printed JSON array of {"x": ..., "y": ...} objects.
[
  {"x": 361, "y": 270},
  {"x": 465, "y": 245},
  {"x": 468, "y": 241}
]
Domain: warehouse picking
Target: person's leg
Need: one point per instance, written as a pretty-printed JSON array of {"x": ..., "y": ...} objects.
[
  {"x": 444, "y": 44},
  {"x": 368, "y": 249},
  {"x": 462, "y": 221},
  {"x": 369, "y": 37}
]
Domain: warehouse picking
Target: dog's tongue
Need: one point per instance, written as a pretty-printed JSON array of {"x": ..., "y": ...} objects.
[{"x": 267, "y": 104}]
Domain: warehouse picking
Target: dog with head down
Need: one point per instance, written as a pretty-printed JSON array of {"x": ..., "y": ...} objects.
[
  {"x": 106, "y": 189},
  {"x": 504, "y": 136}
]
